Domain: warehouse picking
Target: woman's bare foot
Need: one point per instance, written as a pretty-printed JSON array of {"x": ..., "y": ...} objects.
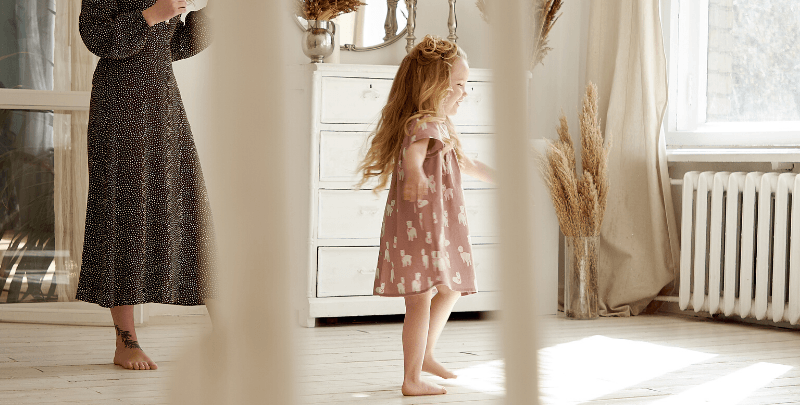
[
  {"x": 129, "y": 354},
  {"x": 422, "y": 388},
  {"x": 133, "y": 359},
  {"x": 430, "y": 365}
]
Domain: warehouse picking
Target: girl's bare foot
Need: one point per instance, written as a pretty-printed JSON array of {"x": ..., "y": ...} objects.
[
  {"x": 129, "y": 354},
  {"x": 422, "y": 388},
  {"x": 430, "y": 365}
]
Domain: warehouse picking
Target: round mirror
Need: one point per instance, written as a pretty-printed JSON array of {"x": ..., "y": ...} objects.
[{"x": 373, "y": 26}]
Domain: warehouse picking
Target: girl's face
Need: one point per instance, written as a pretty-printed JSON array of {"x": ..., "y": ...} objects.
[{"x": 458, "y": 87}]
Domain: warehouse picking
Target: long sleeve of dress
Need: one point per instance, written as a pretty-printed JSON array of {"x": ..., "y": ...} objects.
[
  {"x": 191, "y": 37},
  {"x": 109, "y": 33}
]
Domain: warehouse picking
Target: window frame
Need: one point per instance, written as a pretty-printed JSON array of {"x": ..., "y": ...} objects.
[{"x": 685, "y": 116}]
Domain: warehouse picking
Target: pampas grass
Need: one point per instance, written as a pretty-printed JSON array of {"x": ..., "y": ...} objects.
[
  {"x": 544, "y": 14},
  {"x": 326, "y": 10},
  {"x": 579, "y": 201}
]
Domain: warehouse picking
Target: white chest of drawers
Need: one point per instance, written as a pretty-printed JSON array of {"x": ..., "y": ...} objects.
[{"x": 346, "y": 101}]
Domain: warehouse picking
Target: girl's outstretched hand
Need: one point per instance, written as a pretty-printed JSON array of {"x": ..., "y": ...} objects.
[
  {"x": 416, "y": 186},
  {"x": 163, "y": 10}
]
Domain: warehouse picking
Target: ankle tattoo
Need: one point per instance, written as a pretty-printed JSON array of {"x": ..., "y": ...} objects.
[{"x": 126, "y": 338}]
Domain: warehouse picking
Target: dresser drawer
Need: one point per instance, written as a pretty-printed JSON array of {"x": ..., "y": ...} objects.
[
  {"x": 346, "y": 271},
  {"x": 350, "y": 100},
  {"x": 346, "y": 214},
  {"x": 484, "y": 258},
  {"x": 340, "y": 153},
  {"x": 476, "y": 108}
]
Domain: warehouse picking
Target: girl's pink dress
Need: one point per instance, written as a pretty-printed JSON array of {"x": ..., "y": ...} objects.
[{"x": 426, "y": 243}]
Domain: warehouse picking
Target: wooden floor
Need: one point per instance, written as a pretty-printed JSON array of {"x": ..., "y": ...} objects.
[{"x": 659, "y": 360}]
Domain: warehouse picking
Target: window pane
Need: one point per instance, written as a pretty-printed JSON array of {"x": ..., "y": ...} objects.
[
  {"x": 753, "y": 60},
  {"x": 27, "y": 44},
  {"x": 27, "y": 217}
]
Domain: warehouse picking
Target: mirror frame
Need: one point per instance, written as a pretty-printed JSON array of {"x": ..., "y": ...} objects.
[{"x": 407, "y": 32}]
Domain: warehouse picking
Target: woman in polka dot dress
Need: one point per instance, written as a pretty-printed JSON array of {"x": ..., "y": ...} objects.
[
  {"x": 424, "y": 237},
  {"x": 149, "y": 236}
]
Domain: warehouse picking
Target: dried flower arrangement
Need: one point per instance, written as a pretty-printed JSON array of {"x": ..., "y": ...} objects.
[
  {"x": 545, "y": 14},
  {"x": 326, "y": 10},
  {"x": 580, "y": 202}
]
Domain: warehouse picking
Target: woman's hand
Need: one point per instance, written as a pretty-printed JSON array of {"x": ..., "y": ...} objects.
[
  {"x": 416, "y": 184},
  {"x": 163, "y": 10}
]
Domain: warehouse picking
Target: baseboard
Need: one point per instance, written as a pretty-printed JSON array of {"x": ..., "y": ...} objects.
[
  {"x": 175, "y": 310},
  {"x": 65, "y": 313}
]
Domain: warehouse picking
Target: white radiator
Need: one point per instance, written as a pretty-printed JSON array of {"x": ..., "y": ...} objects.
[{"x": 738, "y": 256}]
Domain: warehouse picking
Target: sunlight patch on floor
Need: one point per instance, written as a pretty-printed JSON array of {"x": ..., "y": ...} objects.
[
  {"x": 585, "y": 369},
  {"x": 730, "y": 389},
  {"x": 486, "y": 377}
]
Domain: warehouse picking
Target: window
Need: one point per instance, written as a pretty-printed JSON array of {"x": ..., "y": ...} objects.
[{"x": 734, "y": 69}]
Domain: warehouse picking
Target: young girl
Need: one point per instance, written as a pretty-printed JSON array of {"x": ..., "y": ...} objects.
[{"x": 424, "y": 237}]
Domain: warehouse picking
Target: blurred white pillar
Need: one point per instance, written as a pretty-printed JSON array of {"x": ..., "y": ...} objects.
[
  {"x": 249, "y": 357},
  {"x": 519, "y": 313}
]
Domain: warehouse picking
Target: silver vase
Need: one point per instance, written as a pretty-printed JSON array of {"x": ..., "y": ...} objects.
[{"x": 318, "y": 41}]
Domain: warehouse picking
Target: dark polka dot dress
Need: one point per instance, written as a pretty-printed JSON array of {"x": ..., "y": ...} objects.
[{"x": 149, "y": 235}]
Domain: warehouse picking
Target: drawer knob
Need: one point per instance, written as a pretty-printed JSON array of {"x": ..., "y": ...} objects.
[
  {"x": 371, "y": 94},
  {"x": 367, "y": 211}
]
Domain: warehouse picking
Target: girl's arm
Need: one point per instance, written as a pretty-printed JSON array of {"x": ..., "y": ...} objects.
[
  {"x": 416, "y": 186},
  {"x": 479, "y": 170}
]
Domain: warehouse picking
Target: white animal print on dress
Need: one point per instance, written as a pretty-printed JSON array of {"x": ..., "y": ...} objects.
[
  {"x": 383, "y": 229},
  {"x": 390, "y": 208},
  {"x": 444, "y": 219},
  {"x": 386, "y": 253},
  {"x": 420, "y": 221},
  {"x": 406, "y": 258},
  {"x": 462, "y": 216},
  {"x": 411, "y": 231},
  {"x": 457, "y": 278},
  {"x": 446, "y": 259},
  {"x": 401, "y": 174},
  {"x": 435, "y": 259},
  {"x": 391, "y": 278},
  {"x": 416, "y": 284},
  {"x": 431, "y": 184},
  {"x": 401, "y": 287},
  {"x": 465, "y": 256},
  {"x": 448, "y": 194},
  {"x": 443, "y": 242},
  {"x": 395, "y": 242},
  {"x": 413, "y": 138},
  {"x": 381, "y": 289},
  {"x": 435, "y": 218},
  {"x": 428, "y": 238},
  {"x": 377, "y": 273},
  {"x": 425, "y": 259},
  {"x": 422, "y": 203},
  {"x": 430, "y": 282}
]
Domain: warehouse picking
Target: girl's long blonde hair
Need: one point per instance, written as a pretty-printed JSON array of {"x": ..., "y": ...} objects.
[{"x": 419, "y": 89}]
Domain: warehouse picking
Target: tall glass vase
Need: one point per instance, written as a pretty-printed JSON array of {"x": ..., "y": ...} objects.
[{"x": 580, "y": 277}]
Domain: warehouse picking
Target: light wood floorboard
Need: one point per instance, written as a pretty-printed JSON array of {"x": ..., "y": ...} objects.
[{"x": 657, "y": 359}]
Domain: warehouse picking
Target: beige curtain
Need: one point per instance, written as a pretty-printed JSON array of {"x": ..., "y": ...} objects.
[
  {"x": 74, "y": 66},
  {"x": 626, "y": 60}
]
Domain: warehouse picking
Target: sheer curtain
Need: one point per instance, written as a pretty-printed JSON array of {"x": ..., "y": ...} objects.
[
  {"x": 639, "y": 247},
  {"x": 74, "y": 68}
]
